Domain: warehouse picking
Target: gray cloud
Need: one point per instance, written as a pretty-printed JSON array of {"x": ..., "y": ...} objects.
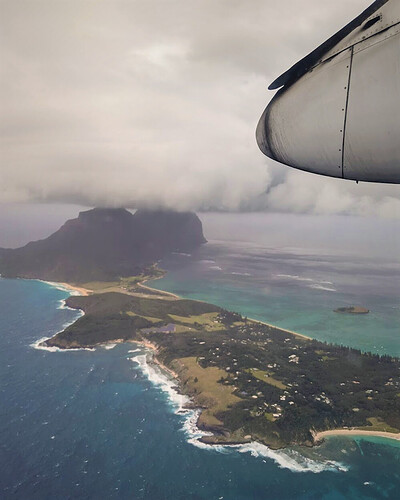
[{"x": 155, "y": 103}]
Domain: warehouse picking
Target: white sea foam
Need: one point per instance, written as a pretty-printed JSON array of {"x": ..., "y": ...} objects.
[
  {"x": 291, "y": 459},
  {"x": 63, "y": 288},
  {"x": 318, "y": 286},
  {"x": 216, "y": 268},
  {"x": 182, "y": 253},
  {"x": 38, "y": 344},
  {"x": 236, "y": 273},
  {"x": 62, "y": 304},
  {"x": 293, "y": 277},
  {"x": 163, "y": 381},
  {"x": 315, "y": 284},
  {"x": 109, "y": 346},
  {"x": 287, "y": 459},
  {"x": 178, "y": 401}
]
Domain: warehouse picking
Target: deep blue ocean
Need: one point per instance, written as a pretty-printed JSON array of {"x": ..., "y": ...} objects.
[{"x": 105, "y": 424}]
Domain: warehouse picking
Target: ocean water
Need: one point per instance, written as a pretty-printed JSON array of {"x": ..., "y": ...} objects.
[
  {"x": 106, "y": 424},
  {"x": 296, "y": 289}
]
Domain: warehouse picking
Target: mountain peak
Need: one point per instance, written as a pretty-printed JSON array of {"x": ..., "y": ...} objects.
[
  {"x": 104, "y": 243},
  {"x": 104, "y": 214}
]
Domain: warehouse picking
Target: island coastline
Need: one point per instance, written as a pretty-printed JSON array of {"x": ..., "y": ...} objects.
[
  {"x": 219, "y": 435},
  {"x": 320, "y": 436}
]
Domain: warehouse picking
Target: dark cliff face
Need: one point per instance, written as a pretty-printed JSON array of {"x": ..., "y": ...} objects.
[
  {"x": 101, "y": 244},
  {"x": 167, "y": 230}
]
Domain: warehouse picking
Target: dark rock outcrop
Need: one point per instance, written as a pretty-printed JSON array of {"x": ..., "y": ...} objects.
[{"x": 101, "y": 244}]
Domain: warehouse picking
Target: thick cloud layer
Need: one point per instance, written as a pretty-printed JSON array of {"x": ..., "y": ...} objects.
[{"x": 155, "y": 103}]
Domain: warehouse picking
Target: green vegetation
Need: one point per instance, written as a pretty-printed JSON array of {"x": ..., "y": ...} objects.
[
  {"x": 208, "y": 321},
  {"x": 265, "y": 376},
  {"x": 252, "y": 380},
  {"x": 129, "y": 284},
  {"x": 210, "y": 393},
  {"x": 376, "y": 424}
]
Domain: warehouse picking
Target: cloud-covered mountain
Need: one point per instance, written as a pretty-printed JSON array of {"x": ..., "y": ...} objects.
[{"x": 103, "y": 244}]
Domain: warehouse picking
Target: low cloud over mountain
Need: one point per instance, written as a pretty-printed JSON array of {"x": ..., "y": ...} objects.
[{"x": 155, "y": 104}]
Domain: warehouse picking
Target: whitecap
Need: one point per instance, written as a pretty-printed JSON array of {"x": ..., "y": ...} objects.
[
  {"x": 317, "y": 286},
  {"x": 291, "y": 459},
  {"x": 161, "y": 380},
  {"x": 38, "y": 344},
  {"x": 108, "y": 346},
  {"x": 293, "y": 277},
  {"x": 286, "y": 459}
]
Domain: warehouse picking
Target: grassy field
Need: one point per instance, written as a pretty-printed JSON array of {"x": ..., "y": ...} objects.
[
  {"x": 149, "y": 318},
  {"x": 128, "y": 284},
  {"x": 265, "y": 376},
  {"x": 206, "y": 321},
  {"x": 379, "y": 425},
  {"x": 203, "y": 382}
]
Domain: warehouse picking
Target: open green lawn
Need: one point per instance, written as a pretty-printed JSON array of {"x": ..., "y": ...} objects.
[
  {"x": 206, "y": 320},
  {"x": 266, "y": 377},
  {"x": 209, "y": 392},
  {"x": 149, "y": 318}
]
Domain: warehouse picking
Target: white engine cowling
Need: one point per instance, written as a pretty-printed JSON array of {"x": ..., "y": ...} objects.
[{"x": 338, "y": 111}]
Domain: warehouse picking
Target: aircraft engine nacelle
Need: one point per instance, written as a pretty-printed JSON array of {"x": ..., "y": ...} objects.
[{"x": 338, "y": 111}]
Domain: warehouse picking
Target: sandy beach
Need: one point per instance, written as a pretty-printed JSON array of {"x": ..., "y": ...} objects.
[
  {"x": 79, "y": 289},
  {"x": 354, "y": 432},
  {"x": 161, "y": 292},
  {"x": 291, "y": 332}
]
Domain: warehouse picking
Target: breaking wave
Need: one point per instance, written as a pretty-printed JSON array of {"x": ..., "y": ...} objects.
[
  {"x": 62, "y": 305},
  {"x": 38, "y": 344},
  {"x": 285, "y": 459},
  {"x": 293, "y": 277},
  {"x": 315, "y": 284}
]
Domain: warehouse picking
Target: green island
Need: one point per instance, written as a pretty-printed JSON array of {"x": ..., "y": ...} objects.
[{"x": 252, "y": 381}]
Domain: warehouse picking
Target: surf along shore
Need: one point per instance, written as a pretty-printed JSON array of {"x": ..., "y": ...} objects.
[
  {"x": 195, "y": 380},
  {"x": 320, "y": 436}
]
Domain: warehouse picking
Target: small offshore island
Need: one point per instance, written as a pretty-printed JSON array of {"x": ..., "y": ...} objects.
[
  {"x": 352, "y": 310},
  {"x": 252, "y": 381}
]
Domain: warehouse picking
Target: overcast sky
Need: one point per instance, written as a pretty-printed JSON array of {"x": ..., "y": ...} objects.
[{"x": 155, "y": 103}]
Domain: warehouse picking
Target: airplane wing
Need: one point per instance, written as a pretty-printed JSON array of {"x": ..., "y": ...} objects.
[{"x": 337, "y": 112}]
